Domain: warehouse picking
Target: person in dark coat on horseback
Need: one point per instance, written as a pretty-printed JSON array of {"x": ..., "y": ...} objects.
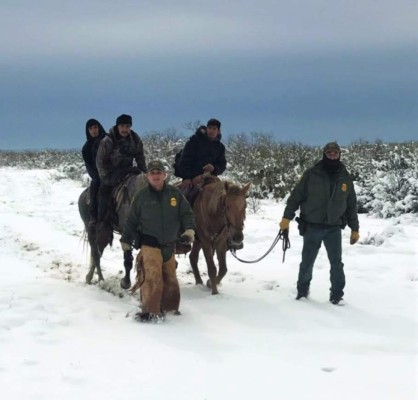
[
  {"x": 94, "y": 134},
  {"x": 203, "y": 153},
  {"x": 115, "y": 159}
]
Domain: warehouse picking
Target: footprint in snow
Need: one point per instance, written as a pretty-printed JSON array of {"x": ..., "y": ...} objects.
[
  {"x": 237, "y": 277},
  {"x": 270, "y": 285},
  {"x": 328, "y": 369}
]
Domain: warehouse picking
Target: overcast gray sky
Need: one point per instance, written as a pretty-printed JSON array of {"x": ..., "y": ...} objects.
[{"x": 308, "y": 71}]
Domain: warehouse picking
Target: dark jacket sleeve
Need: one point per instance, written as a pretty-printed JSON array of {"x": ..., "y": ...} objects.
[
  {"x": 92, "y": 171},
  {"x": 296, "y": 198},
  {"x": 187, "y": 158},
  {"x": 87, "y": 153},
  {"x": 140, "y": 156},
  {"x": 220, "y": 164},
  {"x": 103, "y": 162},
  {"x": 351, "y": 211}
]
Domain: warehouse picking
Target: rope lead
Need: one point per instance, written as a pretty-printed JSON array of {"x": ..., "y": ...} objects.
[{"x": 282, "y": 235}]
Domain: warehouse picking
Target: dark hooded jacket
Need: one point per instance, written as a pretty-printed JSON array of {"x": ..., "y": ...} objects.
[
  {"x": 90, "y": 148},
  {"x": 324, "y": 198},
  {"x": 198, "y": 151},
  {"x": 117, "y": 153}
]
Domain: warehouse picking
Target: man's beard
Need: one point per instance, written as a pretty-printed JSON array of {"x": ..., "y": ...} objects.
[{"x": 331, "y": 165}]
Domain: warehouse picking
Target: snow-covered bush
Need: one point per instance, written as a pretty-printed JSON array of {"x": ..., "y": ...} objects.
[
  {"x": 385, "y": 174},
  {"x": 387, "y": 180}
]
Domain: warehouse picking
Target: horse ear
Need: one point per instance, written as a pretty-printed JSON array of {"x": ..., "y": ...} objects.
[{"x": 244, "y": 190}]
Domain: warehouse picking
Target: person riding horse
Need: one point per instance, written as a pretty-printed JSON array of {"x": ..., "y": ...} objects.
[
  {"x": 115, "y": 157},
  {"x": 94, "y": 135},
  {"x": 202, "y": 153}
]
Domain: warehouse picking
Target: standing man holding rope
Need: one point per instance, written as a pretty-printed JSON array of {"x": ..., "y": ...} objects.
[{"x": 327, "y": 201}]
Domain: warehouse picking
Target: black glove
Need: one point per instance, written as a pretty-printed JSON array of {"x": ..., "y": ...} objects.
[{"x": 187, "y": 237}]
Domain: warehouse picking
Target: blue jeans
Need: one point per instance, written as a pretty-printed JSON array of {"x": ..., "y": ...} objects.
[{"x": 312, "y": 240}]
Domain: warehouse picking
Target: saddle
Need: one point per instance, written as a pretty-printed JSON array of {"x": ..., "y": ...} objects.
[{"x": 191, "y": 193}]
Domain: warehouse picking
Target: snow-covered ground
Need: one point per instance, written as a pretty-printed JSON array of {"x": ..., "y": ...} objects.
[{"x": 62, "y": 339}]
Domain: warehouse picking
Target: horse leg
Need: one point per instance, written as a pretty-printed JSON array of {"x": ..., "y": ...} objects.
[
  {"x": 98, "y": 265},
  {"x": 125, "y": 282},
  {"x": 221, "y": 255},
  {"x": 211, "y": 283},
  {"x": 94, "y": 253},
  {"x": 90, "y": 274},
  {"x": 103, "y": 237},
  {"x": 194, "y": 257}
]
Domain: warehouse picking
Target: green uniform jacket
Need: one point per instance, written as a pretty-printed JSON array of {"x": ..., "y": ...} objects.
[
  {"x": 158, "y": 214},
  {"x": 324, "y": 199}
]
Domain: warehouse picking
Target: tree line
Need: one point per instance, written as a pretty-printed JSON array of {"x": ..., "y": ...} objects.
[{"x": 385, "y": 174}]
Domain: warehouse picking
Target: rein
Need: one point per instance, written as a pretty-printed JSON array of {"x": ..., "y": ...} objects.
[{"x": 282, "y": 235}]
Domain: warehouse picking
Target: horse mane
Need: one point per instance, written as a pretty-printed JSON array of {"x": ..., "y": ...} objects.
[
  {"x": 221, "y": 189},
  {"x": 233, "y": 189}
]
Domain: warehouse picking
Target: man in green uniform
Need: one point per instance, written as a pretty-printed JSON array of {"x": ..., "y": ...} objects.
[
  {"x": 157, "y": 214},
  {"x": 327, "y": 201}
]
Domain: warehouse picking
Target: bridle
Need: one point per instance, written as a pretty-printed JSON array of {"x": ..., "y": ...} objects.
[{"x": 227, "y": 223}]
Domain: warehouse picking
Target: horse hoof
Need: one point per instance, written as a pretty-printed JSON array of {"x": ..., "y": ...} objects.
[
  {"x": 209, "y": 284},
  {"x": 125, "y": 283}
]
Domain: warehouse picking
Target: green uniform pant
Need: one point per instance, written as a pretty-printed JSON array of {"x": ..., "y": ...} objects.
[{"x": 312, "y": 240}]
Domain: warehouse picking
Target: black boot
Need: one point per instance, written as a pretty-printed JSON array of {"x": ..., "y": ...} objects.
[
  {"x": 301, "y": 295},
  {"x": 302, "y": 292},
  {"x": 149, "y": 317},
  {"x": 335, "y": 298}
]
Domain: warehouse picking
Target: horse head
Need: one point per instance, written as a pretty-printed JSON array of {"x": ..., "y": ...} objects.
[
  {"x": 234, "y": 207},
  {"x": 219, "y": 212}
]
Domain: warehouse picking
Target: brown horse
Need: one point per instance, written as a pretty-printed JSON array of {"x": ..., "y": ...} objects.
[
  {"x": 100, "y": 236},
  {"x": 219, "y": 212}
]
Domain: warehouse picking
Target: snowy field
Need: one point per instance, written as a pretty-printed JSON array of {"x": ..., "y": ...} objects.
[{"x": 62, "y": 339}]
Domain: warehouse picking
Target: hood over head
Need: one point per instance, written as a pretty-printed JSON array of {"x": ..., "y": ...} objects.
[
  {"x": 90, "y": 123},
  {"x": 201, "y": 131}
]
